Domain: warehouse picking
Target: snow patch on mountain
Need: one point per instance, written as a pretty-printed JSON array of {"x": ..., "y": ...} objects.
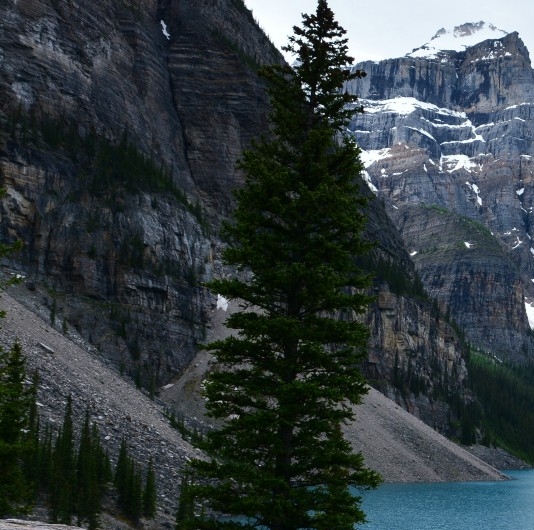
[
  {"x": 164, "y": 29},
  {"x": 458, "y": 39},
  {"x": 529, "y": 308},
  {"x": 373, "y": 155},
  {"x": 403, "y": 106},
  {"x": 455, "y": 162}
]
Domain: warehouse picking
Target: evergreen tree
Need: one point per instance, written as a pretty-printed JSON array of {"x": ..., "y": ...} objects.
[
  {"x": 46, "y": 460},
  {"x": 121, "y": 469},
  {"x": 87, "y": 480},
  {"x": 129, "y": 483},
  {"x": 287, "y": 382},
  {"x": 15, "y": 404},
  {"x": 150, "y": 492},
  {"x": 104, "y": 471},
  {"x": 63, "y": 479},
  {"x": 185, "y": 515},
  {"x": 134, "y": 508},
  {"x": 32, "y": 453}
]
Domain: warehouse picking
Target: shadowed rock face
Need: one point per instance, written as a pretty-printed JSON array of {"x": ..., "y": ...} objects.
[
  {"x": 177, "y": 82},
  {"x": 454, "y": 136}
]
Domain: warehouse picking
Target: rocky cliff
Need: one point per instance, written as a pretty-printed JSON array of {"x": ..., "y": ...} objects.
[
  {"x": 121, "y": 123},
  {"x": 120, "y": 126},
  {"x": 448, "y": 140}
]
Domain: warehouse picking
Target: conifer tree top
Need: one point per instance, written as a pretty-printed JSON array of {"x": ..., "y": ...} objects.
[{"x": 322, "y": 64}]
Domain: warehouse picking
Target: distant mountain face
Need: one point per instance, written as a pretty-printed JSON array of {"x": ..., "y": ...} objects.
[
  {"x": 457, "y": 39},
  {"x": 448, "y": 144}
]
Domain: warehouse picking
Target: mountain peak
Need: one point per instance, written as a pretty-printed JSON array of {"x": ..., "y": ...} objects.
[{"x": 458, "y": 39}]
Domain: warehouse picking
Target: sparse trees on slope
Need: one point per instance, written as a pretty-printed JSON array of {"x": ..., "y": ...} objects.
[{"x": 288, "y": 380}]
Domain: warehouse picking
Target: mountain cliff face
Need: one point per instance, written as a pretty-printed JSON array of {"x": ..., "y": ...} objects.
[
  {"x": 121, "y": 123},
  {"x": 448, "y": 140},
  {"x": 120, "y": 126},
  {"x": 92, "y": 94}
]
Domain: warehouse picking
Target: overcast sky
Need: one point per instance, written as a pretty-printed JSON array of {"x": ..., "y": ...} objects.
[{"x": 392, "y": 28}]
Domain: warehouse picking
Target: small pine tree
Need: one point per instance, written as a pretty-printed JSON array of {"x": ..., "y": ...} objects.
[
  {"x": 32, "y": 454},
  {"x": 46, "y": 460},
  {"x": 134, "y": 499},
  {"x": 15, "y": 406},
  {"x": 88, "y": 487},
  {"x": 121, "y": 469},
  {"x": 150, "y": 496},
  {"x": 185, "y": 514},
  {"x": 104, "y": 471},
  {"x": 129, "y": 483},
  {"x": 63, "y": 479}
]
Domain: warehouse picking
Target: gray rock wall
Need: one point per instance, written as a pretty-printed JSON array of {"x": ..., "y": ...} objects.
[{"x": 456, "y": 134}]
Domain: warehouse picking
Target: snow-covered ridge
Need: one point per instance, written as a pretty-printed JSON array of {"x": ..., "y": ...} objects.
[
  {"x": 458, "y": 39},
  {"x": 404, "y": 106}
]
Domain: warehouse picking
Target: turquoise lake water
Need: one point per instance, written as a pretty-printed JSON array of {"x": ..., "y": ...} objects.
[{"x": 507, "y": 505}]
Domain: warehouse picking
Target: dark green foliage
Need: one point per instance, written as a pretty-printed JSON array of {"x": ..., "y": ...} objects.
[
  {"x": 150, "y": 492},
  {"x": 121, "y": 469},
  {"x": 185, "y": 516},
  {"x": 506, "y": 395},
  {"x": 75, "y": 479},
  {"x": 128, "y": 481},
  {"x": 32, "y": 457},
  {"x": 62, "y": 482},
  {"x": 288, "y": 380},
  {"x": 90, "y": 477},
  {"x": 192, "y": 435},
  {"x": 108, "y": 166},
  {"x": 16, "y": 404},
  {"x": 396, "y": 277}
]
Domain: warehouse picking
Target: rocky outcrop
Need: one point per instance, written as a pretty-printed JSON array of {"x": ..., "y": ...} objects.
[
  {"x": 92, "y": 93},
  {"x": 398, "y": 445},
  {"x": 68, "y": 366},
  {"x": 455, "y": 132},
  {"x": 466, "y": 269},
  {"x": 491, "y": 75}
]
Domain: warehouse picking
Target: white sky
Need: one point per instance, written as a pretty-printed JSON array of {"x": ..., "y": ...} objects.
[{"x": 392, "y": 28}]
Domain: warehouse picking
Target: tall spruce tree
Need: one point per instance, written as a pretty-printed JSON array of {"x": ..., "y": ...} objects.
[{"x": 289, "y": 378}]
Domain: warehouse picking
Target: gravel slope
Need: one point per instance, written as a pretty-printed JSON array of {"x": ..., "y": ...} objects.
[
  {"x": 404, "y": 449},
  {"x": 116, "y": 406},
  {"x": 393, "y": 442}
]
